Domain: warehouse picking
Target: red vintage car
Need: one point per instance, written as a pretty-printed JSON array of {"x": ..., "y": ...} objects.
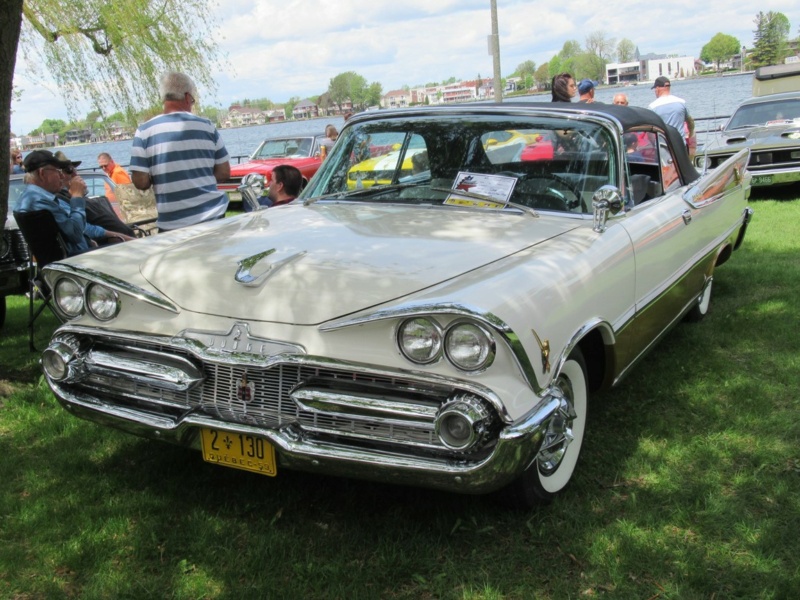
[{"x": 299, "y": 151}]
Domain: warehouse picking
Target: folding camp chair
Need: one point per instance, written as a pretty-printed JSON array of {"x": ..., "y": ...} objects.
[{"x": 41, "y": 234}]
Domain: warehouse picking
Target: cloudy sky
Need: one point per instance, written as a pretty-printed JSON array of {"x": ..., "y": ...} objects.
[{"x": 278, "y": 49}]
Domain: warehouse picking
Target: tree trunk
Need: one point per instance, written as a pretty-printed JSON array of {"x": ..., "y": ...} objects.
[{"x": 10, "y": 25}]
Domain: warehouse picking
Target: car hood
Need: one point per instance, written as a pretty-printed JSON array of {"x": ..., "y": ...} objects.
[
  {"x": 787, "y": 134},
  {"x": 266, "y": 165},
  {"x": 307, "y": 265}
]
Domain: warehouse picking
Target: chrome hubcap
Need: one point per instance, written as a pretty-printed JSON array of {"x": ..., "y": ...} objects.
[{"x": 559, "y": 435}]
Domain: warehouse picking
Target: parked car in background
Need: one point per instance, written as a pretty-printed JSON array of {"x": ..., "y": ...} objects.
[
  {"x": 769, "y": 126},
  {"x": 444, "y": 327},
  {"x": 14, "y": 254},
  {"x": 299, "y": 151}
]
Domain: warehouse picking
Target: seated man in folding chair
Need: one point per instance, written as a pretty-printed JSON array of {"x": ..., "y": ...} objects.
[
  {"x": 44, "y": 175},
  {"x": 103, "y": 226}
]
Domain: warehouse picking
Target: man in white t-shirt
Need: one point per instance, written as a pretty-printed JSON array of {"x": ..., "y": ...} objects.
[{"x": 671, "y": 108}]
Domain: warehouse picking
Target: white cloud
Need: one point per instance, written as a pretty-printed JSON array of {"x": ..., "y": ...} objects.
[{"x": 280, "y": 49}]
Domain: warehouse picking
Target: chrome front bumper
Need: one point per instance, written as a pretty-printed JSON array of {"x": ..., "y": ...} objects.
[{"x": 516, "y": 447}]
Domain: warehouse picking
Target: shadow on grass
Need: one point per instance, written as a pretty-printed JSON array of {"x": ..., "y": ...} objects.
[{"x": 19, "y": 364}]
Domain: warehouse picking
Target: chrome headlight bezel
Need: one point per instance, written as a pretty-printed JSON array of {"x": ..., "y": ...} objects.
[
  {"x": 420, "y": 340},
  {"x": 68, "y": 297},
  {"x": 469, "y": 356},
  {"x": 102, "y": 302}
]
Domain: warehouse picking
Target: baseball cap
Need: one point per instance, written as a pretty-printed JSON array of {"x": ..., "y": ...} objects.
[
  {"x": 586, "y": 85},
  {"x": 660, "y": 82},
  {"x": 63, "y": 157},
  {"x": 40, "y": 158}
]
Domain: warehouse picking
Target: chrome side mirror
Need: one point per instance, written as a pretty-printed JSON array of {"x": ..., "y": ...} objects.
[{"x": 605, "y": 200}]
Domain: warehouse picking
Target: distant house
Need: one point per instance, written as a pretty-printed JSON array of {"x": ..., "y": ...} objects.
[
  {"x": 463, "y": 91},
  {"x": 119, "y": 131},
  {"x": 305, "y": 109},
  {"x": 399, "y": 99},
  {"x": 32, "y": 142},
  {"x": 79, "y": 136},
  {"x": 275, "y": 115},
  {"x": 242, "y": 116}
]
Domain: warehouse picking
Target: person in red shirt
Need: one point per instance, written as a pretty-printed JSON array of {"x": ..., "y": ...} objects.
[{"x": 117, "y": 174}]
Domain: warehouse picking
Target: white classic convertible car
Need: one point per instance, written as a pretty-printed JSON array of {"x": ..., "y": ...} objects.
[{"x": 442, "y": 325}]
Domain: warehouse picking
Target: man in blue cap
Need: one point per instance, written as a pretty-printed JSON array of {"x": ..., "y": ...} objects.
[{"x": 586, "y": 90}]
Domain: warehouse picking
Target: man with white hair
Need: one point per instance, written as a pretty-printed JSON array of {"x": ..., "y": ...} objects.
[{"x": 183, "y": 157}]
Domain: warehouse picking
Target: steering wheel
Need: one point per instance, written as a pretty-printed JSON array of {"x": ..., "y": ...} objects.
[{"x": 547, "y": 191}]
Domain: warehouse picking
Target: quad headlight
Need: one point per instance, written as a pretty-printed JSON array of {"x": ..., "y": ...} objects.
[
  {"x": 420, "y": 340},
  {"x": 68, "y": 295},
  {"x": 74, "y": 298},
  {"x": 103, "y": 302},
  {"x": 467, "y": 345}
]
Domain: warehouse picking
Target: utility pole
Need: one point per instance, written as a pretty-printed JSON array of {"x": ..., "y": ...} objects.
[{"x": 494, "y": 50}]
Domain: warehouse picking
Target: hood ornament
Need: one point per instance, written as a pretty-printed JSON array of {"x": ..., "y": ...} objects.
[{"x": 245, "y": 276}]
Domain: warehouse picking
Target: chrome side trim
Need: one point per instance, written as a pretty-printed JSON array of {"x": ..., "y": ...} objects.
[
  {"x": 724, "y": 177},
  {"x": 115, "y": 284}
]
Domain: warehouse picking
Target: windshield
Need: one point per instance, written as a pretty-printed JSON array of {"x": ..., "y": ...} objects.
[
  {"x": 766, "y": 113},
  {"x": 284, "y": 148},
  {"x": 475, "y": 160}
]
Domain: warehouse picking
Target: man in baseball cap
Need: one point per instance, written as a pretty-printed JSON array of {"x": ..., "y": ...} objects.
[
  {"x": 661, "y": 82},
  {"x": 586, "y": 90},
  {"x": 671, "y": 108},
  {"x": 40, "y": 158},
  {"x": 44, "y": 173}
]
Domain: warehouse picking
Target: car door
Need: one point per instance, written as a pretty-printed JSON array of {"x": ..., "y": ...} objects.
[{"x": 669, "y": 249}]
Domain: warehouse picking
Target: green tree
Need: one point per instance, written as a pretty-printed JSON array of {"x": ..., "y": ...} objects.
[
  {"x": 771, "y": 35},
  {"x": 374, "y": 94},
  {"x": 542, "y": 76},
  {"x": 525, "y": 68},
  {"x": 598, "y": 44},
  {"x": 92, "y": 46},
  {"x": 10, "y": 27},
  {"x": 51, "y": 126},
  {"x": 626, "y": 51},
  {"x": 721, "y": 47},
  {"x": 288, "y": 108},
  {"x": 347, "y": 86}
]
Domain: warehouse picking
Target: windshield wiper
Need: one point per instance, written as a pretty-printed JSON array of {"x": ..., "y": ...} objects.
[
  {"x": 474, "y": 196},
  {"x": 361, "y": 191}
]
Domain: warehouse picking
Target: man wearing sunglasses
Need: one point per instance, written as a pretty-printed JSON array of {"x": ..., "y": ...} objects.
[
  {"x": 44, "y": 174},
  {"x": 117, "y": 174},
  {"x": 103, "y": 227}
]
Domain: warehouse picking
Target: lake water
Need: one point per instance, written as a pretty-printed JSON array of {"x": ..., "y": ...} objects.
[{"x": 706, "y": 97}]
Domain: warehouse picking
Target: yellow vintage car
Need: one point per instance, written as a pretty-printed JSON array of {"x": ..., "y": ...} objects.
[{"x": 380, "y": 169}]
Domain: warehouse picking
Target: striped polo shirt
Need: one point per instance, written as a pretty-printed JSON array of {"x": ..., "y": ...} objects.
[{"x": 179, "y": 151}]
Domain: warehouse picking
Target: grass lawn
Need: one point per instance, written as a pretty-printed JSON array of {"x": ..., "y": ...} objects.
[{"x": 689, "y": 485}]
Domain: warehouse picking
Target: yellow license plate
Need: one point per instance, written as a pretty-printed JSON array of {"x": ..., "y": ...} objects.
[{"x": 239, "y": 451}]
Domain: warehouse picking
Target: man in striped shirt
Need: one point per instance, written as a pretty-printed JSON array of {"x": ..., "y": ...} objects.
[{"x": 183, "y": 157}]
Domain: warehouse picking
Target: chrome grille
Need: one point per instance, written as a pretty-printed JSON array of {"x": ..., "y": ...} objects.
[
  {"x": 14, "y": 249},
  {"x": 272, "y": 405}
]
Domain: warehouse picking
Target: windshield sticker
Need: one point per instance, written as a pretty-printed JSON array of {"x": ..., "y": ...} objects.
[{"x": 491, "y": 187}]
